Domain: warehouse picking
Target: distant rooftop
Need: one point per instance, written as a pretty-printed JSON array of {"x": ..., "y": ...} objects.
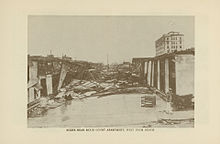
[
  {"x": 143, "y": 59},
  {"x": 172, "y": 33}
]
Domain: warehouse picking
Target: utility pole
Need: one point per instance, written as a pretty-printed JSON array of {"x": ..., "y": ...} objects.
[{"x": 107, "y": 63}]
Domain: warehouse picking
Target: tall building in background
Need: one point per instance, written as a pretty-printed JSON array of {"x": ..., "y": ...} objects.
[{"x": 170, "y": 42}]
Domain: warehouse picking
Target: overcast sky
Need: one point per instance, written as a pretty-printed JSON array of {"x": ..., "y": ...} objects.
[{"x": 93, "y": 37}]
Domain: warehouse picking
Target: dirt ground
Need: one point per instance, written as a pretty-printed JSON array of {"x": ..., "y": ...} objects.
[{"x": 121, "y": 110}]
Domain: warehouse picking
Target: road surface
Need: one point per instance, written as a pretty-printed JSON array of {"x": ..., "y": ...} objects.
[{"x": 122, "y": 110}]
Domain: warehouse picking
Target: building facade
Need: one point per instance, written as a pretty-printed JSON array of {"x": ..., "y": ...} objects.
[
  {"x": 170, "y": 42},
  {"x": 34, "y": 85},
  {"x": 174, "y": 70}
]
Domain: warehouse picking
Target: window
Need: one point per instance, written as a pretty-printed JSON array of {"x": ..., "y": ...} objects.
[
  {"x": 35, "y": 94},
  {"x": 167, "y": 46},
  {"x": 180, "y": 46},
  {"x": 28, "y": 74}
]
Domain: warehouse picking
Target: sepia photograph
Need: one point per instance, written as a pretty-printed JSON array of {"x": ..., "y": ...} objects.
[{"x": 110, "y": 71}]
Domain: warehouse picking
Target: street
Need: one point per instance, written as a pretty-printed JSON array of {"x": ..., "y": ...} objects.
[{"x": 109, "y": 111}]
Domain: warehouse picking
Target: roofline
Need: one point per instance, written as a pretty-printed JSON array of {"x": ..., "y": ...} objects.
[
  {"x": 168, "y": 34},
  {"x": 188, "y": 51}
]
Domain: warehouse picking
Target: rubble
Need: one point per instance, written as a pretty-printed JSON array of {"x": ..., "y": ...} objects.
[
  {"x": 83, "y": 89},
  {"x": 89, "y": 93},
  {"x": 83, "y": 80}
]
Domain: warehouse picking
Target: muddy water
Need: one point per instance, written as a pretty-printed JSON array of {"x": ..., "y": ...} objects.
[{"x": 114, "y": 110}]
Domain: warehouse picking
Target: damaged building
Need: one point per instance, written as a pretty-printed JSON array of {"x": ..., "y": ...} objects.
[
  {"x": 172, "y": 70},
  {"x": 34, "y": 86}
]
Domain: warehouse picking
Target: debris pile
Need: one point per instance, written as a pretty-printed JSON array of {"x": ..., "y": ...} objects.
[
  {"x": 78, "y": 89},
  {"x": 80, "y": 79}
]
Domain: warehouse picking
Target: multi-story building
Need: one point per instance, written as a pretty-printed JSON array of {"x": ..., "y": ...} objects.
[{"x": 170, "y": 42}]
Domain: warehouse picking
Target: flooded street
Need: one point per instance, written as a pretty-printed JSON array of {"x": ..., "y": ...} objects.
[{"x": 113, "y": 110}]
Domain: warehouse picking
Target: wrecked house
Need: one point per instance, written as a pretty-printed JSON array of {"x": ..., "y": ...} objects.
[
  {"x": 139, "y": 68},
  {"x": 34, "y": 86},
  {"x": 54, "y": 73},
  {"x": 48, "y": 69}
]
